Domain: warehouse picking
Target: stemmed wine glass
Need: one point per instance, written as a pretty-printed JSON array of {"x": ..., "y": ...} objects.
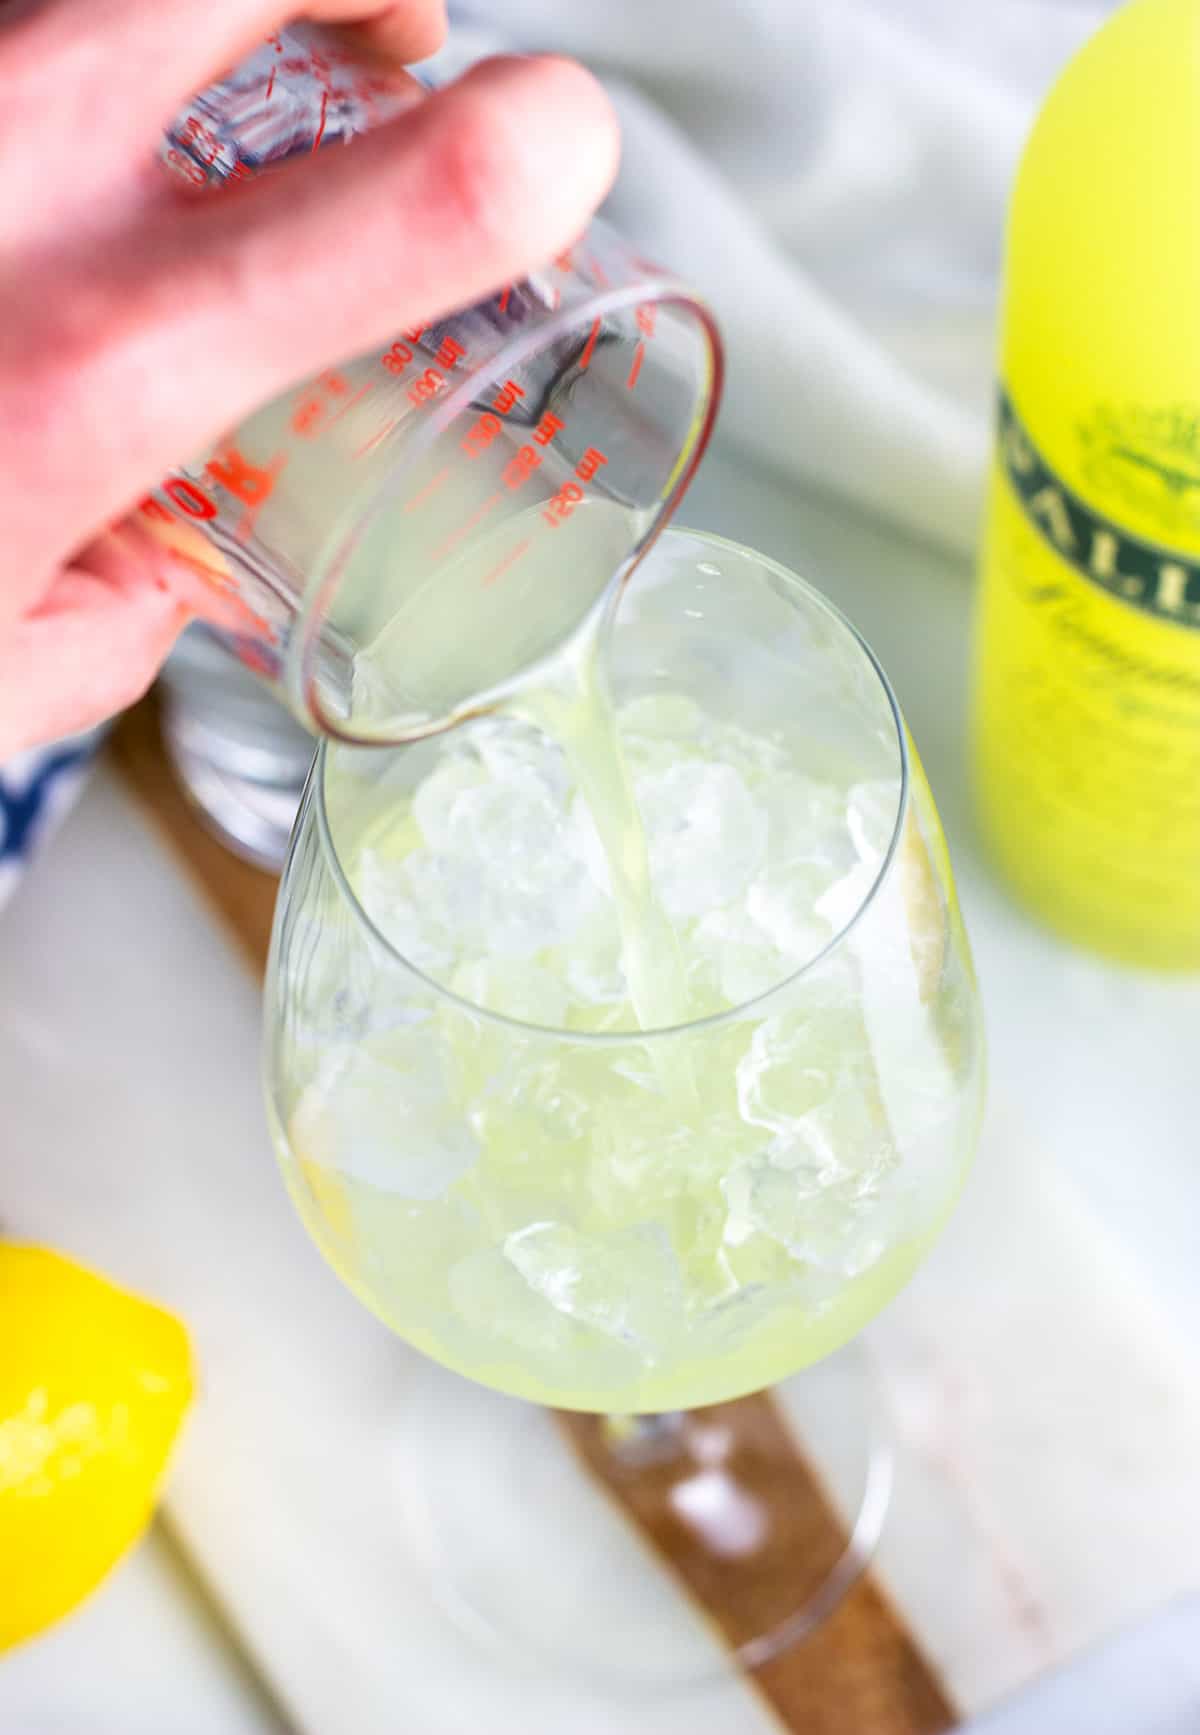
[{"x": 580, "y": 1213}]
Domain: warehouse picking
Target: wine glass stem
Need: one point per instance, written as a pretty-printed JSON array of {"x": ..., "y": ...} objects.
[{"x": 646, "y": 1439}]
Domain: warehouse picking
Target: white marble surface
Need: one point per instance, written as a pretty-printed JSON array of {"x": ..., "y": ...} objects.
[
  {"x": 1041, "y": 1368},
  {"x": 147, "y": 1655}
]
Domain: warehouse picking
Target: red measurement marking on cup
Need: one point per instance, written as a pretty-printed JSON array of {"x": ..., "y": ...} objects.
[
  {"x": 270, "y": 86},
  {"x": 590, "y": 345},
  {"x": 480, "y": 435},
  {"x": 597, "y": 270},
  {"x": 505, "y": 296},
  {"x": 455, "y": 537},
  {"x": 482, "y": 432},
  {"x": 450, "y": 352},
  {"x": 560, "y": 507},
  {"x": 546, "y": 429},
  {"x": 507, "y": 398},
  {"x": 250, "y": 483},
  {"x": 431, "y": 487},
  {"x": 647, "y": 320},
  {"x": 203, "y": 142},
  {"x": 307, "y": 418},
  {"x": 397, "y": 358},
  {"x": 520, "y": 467},
  {"x": 502, "y": 566},
  {"x": 425, "y": 389},
  {"x": 192, "y": 501},
  {"x": 321, "y": 119},
  {"x": 187, "y": 168},
  {"x": 315, "y": 410}
]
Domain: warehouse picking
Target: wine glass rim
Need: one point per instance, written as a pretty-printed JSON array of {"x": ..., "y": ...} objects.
[{"x": 315, "y": 792}]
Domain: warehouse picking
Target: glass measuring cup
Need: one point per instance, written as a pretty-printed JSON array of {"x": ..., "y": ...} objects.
[{"x": 405, "y": 534}]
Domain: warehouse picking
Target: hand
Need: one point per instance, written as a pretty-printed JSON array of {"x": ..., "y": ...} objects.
[{"x": 140, "y": 322}]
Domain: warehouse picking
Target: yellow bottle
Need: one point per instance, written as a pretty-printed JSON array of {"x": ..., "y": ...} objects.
[{"x": 1087, "y": 724}]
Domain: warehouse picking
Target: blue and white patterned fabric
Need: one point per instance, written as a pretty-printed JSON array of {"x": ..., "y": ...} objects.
[{"x": 37, "y": 788}]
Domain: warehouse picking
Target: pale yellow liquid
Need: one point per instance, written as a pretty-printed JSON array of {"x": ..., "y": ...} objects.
[{"x": 613, "y": 1163}]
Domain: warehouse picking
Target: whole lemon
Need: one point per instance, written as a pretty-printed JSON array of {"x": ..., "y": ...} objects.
[{"x": 94, "y": 1383}]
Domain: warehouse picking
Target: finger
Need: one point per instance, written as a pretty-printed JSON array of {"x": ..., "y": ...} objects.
[
  {"x": 398, "y": 34},
  {"x": 228, "y": 301},
  {"x": 124, "y": 68},
  {"x": 92, "y": 647}
]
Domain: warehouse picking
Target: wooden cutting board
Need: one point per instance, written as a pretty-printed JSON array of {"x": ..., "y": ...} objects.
[{"x": 859, "y": 1672}]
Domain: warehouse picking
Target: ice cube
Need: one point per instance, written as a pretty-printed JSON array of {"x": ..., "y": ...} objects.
[
  {"x": 509, "y": 748},
  {"x": 674, "y": 716},
  {"x": 434, "y": 797},
  {"x": 586, "y": 846},
  {"x": 724, "y": 1325},
  {"x": 793, "y": 1061},
  {"x": 808, "y": 1077},
  {"x": 659, "y": 729},
  {"x": 816, "y": 1188},
  {"x": 559, "y": 1112},
  {"x": 623, "y": 1282},
  {"x": 643, "y": 1155},
  {"x": 807, "y": 825},
  {"x": 706, "y": 835},
  {"x": 405, "y": 1250},
  {"x": 386, "y": 1114},
  {"x": 515, "y": 988},
  {"x": 824, "y": 1219},
  {"x": 532, "y": 889},
  {"x": 782, "y": 904},
  {"x": 846, "y": 1131},
  {"x": 423, "y": 904},
  {"x": 871, "y": 812},
  {"x": 491, "y": 1297},
  {"x": 592, "y": 960},
  {"x": 736, "y": 955},
  {"x": 758, "y": 755}
]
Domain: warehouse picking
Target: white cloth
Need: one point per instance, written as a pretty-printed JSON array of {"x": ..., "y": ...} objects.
[{"x": 833, "y": 175}]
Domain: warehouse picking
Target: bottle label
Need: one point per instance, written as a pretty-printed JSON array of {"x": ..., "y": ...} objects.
[
  {"x": 1088, "y": 712},
  {"x": 1149, "y": 577}
]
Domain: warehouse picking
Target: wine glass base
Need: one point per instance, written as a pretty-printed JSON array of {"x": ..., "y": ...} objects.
[
  {"x": 242, "y": 760},
  {"x": 252, "y": 818},
  {"x": 649, "y": 1551}
]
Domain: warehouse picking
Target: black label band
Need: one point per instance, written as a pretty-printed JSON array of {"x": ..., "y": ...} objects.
[{"x": 1140, "y": 573}]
